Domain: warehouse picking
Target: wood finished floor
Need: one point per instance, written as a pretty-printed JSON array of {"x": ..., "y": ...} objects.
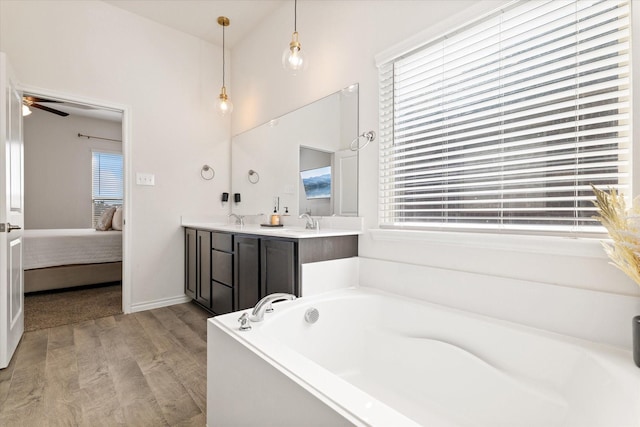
[{"x": 142, "y": 369}]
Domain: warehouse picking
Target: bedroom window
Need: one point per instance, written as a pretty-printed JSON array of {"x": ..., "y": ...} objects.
[
  {"x": 504, "y": 124},
  {"x": 107, "y": 182}
]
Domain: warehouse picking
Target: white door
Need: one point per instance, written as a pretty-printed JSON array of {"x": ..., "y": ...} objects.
[{"x": 11, "y": 214}]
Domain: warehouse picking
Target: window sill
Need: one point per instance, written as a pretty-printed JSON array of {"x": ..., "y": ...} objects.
[{"x": 550, "y": 245}]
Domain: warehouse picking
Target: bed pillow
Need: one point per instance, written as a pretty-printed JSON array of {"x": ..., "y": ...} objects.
[
  {"x": 116, "y": 223},
  {"x": 104, "y": 222}
]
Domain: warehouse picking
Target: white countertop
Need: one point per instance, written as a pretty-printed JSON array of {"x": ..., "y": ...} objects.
[{"x": 285, "y": 231}]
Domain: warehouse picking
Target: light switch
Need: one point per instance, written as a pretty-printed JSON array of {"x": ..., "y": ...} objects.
[{"x": 145, "y": 178}]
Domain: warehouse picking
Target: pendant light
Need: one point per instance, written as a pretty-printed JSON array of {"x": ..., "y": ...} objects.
[
  {"x": 293, "y": 59},
  {"x": 224, "y": 106}
]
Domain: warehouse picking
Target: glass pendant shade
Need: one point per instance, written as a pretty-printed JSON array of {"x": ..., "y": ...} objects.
[
  {"x": 25, "y": 110},
  {"x": 293, "y": 59},
  {"x": 224, "y": 105}
]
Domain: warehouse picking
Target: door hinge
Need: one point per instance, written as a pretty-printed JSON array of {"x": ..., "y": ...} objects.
[{"x": 2, "y": 227}]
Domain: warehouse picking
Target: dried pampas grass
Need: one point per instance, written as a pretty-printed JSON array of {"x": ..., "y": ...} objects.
[{"x": 623, "y": 227}]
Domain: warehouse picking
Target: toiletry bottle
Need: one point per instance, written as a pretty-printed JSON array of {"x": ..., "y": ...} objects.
[{"x": 275, "y": 218}]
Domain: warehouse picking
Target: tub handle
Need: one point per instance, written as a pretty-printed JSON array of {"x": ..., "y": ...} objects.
[{"x": 245, "y": 324}]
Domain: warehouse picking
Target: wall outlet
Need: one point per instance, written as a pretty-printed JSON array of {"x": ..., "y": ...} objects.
[{"x": 145, "y": 178}]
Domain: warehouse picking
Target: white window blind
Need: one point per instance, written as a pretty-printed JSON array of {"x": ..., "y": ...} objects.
[
  {"x": 505, "y": 124},
  {"x": 107, "y": 182}
]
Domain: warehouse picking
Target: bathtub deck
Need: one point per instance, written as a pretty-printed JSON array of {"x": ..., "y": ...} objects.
[{"x": 377, "y": 359}]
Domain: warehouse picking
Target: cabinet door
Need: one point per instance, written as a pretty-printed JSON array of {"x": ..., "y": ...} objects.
[
  {"x": 278, "y": 267},
  {"x": 221, "y": 298},
  {"x": 191, "y": 263},
  {"x": 247, "y": 272},
  {"x": 203, "y": 288}
]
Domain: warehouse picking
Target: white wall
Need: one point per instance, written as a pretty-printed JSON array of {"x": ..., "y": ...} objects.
[
  {"x": 170, "y": 81},
  {"x": 57, "y": 167},
  {"x": 341, "y": 39}
]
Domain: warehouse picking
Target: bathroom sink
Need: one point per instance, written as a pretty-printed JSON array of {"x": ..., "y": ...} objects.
[{"x": 286, "y": 231}]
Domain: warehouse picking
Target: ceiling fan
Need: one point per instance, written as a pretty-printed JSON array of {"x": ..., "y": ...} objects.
[{"x": 34, "y": 101}]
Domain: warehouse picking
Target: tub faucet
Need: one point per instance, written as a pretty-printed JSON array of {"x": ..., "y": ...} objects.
[
  {"x": 264, "y": 305},
  {"x": 239, "y": 219},
  {"x": 312, "y": 224}
]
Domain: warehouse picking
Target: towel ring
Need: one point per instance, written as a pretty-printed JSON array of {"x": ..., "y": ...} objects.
[
  {"x": 207, "y": 172},
  {"x": 255, "y": 175},
  {"x": 370, "y": 136}
]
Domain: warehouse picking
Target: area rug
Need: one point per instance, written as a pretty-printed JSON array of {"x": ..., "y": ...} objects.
[{"x": 48, "y": 309}]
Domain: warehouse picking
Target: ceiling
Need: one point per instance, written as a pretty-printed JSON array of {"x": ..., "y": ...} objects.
[
  {"x": 195, "y": 17},
  {"x": 199, "y": 17}
]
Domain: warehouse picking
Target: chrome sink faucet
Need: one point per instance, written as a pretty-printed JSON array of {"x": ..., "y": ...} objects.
[
  {"x": 239, "y": 219},
  {"x": 312, "y": 224},
  {"x": 264, "y": 305}
]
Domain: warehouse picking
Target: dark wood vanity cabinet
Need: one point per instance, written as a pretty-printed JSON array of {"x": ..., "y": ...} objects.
[
  {"x": 264, "y": 266},
  {"x": 222, "y": 283},
  {"x": 191, "y": 263},
  {"x": 247, "y": 271},
  {"x": 203, "y": 285},
  {"x": 226, "y": 272},
  {"x": 198, "y": 266},
  {"x": 209, "y": 270},
  {"x": 278, "y": 272}
]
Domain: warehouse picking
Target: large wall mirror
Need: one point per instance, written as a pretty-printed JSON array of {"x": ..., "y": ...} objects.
[{"x": 300, "y": 162}]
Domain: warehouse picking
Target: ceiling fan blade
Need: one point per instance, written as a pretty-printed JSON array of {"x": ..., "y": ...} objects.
[
  {"x": 36, "y": 99},
  {"x": 50, "y": 110}
]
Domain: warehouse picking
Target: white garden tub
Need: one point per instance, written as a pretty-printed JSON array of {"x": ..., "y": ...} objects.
[{"x": 381, "y": 360}]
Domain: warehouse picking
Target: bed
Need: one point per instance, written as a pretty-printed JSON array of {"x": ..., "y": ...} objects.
[{"x": 64, "y": 258}]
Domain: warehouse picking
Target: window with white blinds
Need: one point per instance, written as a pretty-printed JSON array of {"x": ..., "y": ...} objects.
[
  {"x": 107, "y": 182},
  {"x": 506, "y": 123}
]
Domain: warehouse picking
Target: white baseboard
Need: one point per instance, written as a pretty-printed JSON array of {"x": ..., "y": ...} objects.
[{"x": 165, "y": 302}]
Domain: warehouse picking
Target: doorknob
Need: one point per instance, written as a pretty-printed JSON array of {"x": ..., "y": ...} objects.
[{"x": 12, "y": 227}]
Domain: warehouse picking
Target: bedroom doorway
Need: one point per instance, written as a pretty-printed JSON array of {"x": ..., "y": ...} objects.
[{"x": 76, "y": 153}]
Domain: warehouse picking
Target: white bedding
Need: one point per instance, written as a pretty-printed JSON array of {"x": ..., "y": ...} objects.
[{"x": 49, "y": 248}]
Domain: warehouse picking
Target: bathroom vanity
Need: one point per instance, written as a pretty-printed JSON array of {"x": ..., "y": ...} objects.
[{"x": 229, "y": 268}]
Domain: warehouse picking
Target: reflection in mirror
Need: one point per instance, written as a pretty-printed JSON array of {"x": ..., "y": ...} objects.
[
  {"x": 303, "y": 161},
  {"x": 315, "y": 183}
]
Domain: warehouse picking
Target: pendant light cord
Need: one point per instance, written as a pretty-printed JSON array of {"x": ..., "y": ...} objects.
[
  {"x": 295, "y": 15},
  {"x": 223, "y": 55}
]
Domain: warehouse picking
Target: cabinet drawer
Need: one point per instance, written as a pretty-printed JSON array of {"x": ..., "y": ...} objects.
[
  {"x": 222, "y": 267},
  {"x": 221, "y": 298},
  {"x": 222, "y": 241}
]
